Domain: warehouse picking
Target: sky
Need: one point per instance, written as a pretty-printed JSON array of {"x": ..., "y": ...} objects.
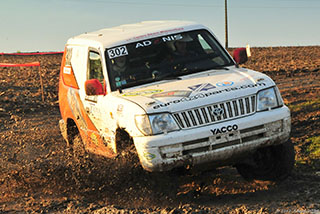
[{"x": 46, "y": 25}]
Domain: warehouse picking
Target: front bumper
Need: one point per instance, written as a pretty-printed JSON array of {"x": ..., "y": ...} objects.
[{"x": 215, "y": 143}]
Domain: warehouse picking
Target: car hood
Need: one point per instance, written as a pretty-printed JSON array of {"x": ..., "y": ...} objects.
[{"x": 199, "y": 89}]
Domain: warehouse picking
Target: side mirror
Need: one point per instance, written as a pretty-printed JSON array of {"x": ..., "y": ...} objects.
[
  {"x": 240, "y": 55},
  {"x": 94, "y": 87}
]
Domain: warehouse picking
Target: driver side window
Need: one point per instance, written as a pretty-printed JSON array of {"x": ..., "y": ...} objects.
[
  {"x": 95, "y": 84},
  {"x": 95, "y": 67}
]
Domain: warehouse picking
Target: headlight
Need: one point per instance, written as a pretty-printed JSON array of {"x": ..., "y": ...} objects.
[
  {"x": 156, "y": 124},
  {"x": 280, "y": 100},
  {"x": 143, "y": 124},
  {"x": 267, "y": 99}
]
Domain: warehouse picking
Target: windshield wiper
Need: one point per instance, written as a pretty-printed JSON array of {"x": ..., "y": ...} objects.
[
  {"x": 168, "y": 76},
  {"x": 227, "y": 65},
  {"x": 202, "y": 69},
  {"x": 222, "y": 67}
]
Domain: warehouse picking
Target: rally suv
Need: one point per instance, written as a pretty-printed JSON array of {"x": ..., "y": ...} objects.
[{"x": 177, "y": 95}]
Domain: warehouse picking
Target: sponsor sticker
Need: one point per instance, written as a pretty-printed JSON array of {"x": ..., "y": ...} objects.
[
  {"x": 67, "y": 70},
  {"x": 154, "y": 34},
  {"x": 177, "y": 93},
  {"x": 209, "y": 94},
  {"x": 142, "y": 93},
  {"x": 147, "y": 43},
  {"x": 202, "y": 87},
  {"x": 225, "y": 129},
  {"x": 91, "y": 98},
  {"x": 94, "y": 139},
  {"x": 120, "y": 83},
  {"x": 149, "y": 156},
  {"x": 117, "y": 52},
  {"x": 225, "y": 83},
  {"x": 143, "y": 44},
  {"x": 171, "y": 38}
]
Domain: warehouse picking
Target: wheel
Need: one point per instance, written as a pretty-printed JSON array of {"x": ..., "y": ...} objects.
[
  {"x": 79, "y": 162},
  {"x": 273, "y": 163},
  {"x": 77, "y": 150}
]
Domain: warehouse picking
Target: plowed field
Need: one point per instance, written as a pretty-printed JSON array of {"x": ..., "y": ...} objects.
[{"x": 37, "y": 174}]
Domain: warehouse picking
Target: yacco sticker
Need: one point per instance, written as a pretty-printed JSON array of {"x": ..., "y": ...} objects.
[
  {"x": 177, "y": 93},
  {"x": 142, "y": 93},
  {"x": 149, "y": 156},
  {"x": 117, "y": 52},
  {"x": 225, "y": 129},
  {"x": 225, "y": 83},
  {"x": 202, "y": 87},
  {"x": 208, "y": 94}
]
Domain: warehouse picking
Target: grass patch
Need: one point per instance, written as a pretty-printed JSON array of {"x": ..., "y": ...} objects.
[
  {"x": 310, "y": 105},
  {"x": 314, "y": 148},
  {"x": 309, "y": 156}
]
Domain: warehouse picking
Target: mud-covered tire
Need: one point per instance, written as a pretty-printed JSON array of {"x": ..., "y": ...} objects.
[
  {"x": 77, "y": 150},
  {"x": 273, "y": 163},
  {"x": 80, "y": 162}
]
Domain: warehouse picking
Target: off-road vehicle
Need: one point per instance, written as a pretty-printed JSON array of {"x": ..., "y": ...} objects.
[{"x": 175, "y": 93}]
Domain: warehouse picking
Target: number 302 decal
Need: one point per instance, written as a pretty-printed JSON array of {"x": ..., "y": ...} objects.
[{"x": 117, "y": 52}]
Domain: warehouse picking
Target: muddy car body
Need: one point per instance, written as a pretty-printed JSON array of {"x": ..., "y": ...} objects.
[{"x": 192, "y": 107}]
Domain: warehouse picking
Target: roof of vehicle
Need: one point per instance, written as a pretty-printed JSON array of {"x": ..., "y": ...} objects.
[{"x": 110, "y": 37}]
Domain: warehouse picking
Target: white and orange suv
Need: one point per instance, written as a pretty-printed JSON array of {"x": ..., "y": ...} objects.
[{"x": 178, "y": 96}]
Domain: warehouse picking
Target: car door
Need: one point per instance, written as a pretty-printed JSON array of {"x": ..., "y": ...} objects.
[
  {"x": 95, "y": 90},
  {"x": 94, "y": 78}
]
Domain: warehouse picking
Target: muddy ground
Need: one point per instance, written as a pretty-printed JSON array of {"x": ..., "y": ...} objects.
[{"x": 37, "y": 174}]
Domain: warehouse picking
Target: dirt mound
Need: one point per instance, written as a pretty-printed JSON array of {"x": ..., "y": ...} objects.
[{"x": 38, "y": 174}]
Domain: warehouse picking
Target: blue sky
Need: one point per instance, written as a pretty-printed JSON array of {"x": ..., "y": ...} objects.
[{"x": 45, "y": 25}]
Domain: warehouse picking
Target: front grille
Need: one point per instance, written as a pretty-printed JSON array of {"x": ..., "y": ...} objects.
[{"x": 205, "y": 115}]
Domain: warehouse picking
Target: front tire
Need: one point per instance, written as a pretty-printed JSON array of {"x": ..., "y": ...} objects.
[{"x": 272, "y": 163}]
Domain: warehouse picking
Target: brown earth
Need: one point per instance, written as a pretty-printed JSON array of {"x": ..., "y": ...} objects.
[{"x": 37, "y": 174}]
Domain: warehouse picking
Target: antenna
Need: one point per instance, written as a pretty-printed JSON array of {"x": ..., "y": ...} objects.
[{"x": 226, "y": 21}]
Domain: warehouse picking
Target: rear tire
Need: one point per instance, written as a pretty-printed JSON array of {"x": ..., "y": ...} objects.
[
  {"x": 80, "y": 162},
  {"x": 272, "y": 163},
  {"x": 77, "y": 150}
]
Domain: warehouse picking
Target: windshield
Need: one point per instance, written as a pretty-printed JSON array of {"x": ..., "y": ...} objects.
[{"x": 164, "y": 57}]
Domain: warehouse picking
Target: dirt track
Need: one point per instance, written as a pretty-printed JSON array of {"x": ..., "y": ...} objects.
[{"x": 37, "y": 175}]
